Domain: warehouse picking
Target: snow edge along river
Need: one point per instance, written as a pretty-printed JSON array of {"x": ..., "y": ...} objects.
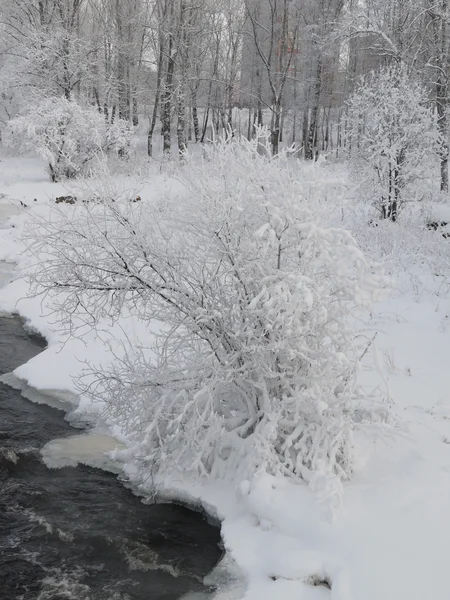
[{"x": 96, "y": 448}]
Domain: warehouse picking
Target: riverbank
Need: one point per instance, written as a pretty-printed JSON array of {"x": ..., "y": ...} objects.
[
  {"x": 389, "y": 539},
  {"x": 47, "y": 378}
]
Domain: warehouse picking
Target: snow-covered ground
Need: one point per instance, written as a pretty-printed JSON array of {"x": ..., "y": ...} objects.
[{"x": 389, "y": 539}]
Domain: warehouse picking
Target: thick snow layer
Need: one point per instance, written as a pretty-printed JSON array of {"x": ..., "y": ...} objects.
[
  {"x": 390, "y": 538},
  {"x": 60, "y": 399}
]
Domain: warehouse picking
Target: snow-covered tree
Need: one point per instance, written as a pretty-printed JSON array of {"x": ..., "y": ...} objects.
[
  {"x": 68, "y": 136},
  {"x": 254, "y": 364},
  {"x": 394, "y": 135},
  {"x": 44, "y": 41}
]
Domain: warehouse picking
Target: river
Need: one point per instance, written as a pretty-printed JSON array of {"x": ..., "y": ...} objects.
[{"x": 77, "y": 532}]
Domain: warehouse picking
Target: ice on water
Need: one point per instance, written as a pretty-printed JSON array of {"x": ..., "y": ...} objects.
[{"x": 90, "y": 449}]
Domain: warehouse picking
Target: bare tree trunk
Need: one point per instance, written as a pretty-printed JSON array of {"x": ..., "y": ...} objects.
[
  {"x": 326, "y": 128},
  {"x": 442, "y": 123},
  {"x": 294, "y": 128},
  {"x": 152, "y": 126},
  {"x": 195, "y": 115},
  {"x": 205, "y": 124},
  {"x": 66, "y": 73},
  {"x": 283, "y": 116},
  {"x": 276, "y": 126},
  {"x": 167, "y": 99},
  {"x": 305, "y": 130},
  {"x": 97, "y": 100},
  {"x": 134, "y": 105},
  {"x": 181, "y": 123},
  {"x": 183, "y": 41},
  {"x": 189, "y": 125},
  {"x": 210, "y": 92},
  {"x": 123, "y": 101},
  {"x": 442, "y": 96},
  {"x": 339, "y": 132},
  {"x": 311, "y": 143}
]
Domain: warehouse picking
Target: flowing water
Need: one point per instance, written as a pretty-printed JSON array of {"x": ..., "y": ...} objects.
[{"x": 77, "y": 532}]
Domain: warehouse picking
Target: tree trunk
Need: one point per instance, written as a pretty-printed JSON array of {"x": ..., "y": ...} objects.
[
  {"x": 134, "y": 104},
  {"x": 183, "y": 52},
  {"x": 276, "y": 126},
  {"x": 249, "y": 124},
  {"x": 442, "y": 123},
  {"x": 311, "y": 143},
  {"x": 210, "y": 90},
  {"x": 195, "y": 115},
  {"x": 190, "y": 119},
  {"x": 152, "y": 125},
  {"x": 439, "y": 24},
  {"x": 66, "y": 84},
  {"x": 181, "y": 123},
  {"x": 166, "y": 100},
  {"x": 305, "y": 130},
  {"x": 97, "y": 100},
  {"x": 205, "y": 124}
]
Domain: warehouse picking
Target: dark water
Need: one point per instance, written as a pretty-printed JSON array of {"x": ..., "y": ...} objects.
[{"x": 78, "y": 532}]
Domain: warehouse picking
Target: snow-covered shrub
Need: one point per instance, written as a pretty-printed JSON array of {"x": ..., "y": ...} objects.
[
  {"x": 393, "y": 135},
  {"x": 414, "y": 257},
  {"x": 120, "y": 136},
  {"x": 71, "y": 138},
  {"x": 253, "y": 366}
]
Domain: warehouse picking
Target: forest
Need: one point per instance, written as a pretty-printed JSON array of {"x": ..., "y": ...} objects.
[{"x": 186, "y": 72}]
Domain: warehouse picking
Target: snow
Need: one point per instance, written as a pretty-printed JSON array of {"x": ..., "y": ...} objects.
[
  {"x": 390, "y": 538},
  {"x": 60, "y": 399},
  {"x": 439, "y": 213}
]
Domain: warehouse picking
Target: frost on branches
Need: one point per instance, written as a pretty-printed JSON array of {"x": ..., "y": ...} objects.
[
  {"x": 72, "y": 139},
  {"x": 394, "y": 134},
  {"x": 254, "y": 364}
]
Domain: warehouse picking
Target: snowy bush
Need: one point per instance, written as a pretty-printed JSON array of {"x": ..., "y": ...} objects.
[
  {"x": 71, "y": 138},
  {"x": 253, "y": 364},
  {"x": 119, "y": 136},
  {"x": 394, "y": 133}
]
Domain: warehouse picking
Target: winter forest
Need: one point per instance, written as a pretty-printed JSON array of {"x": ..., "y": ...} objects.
[{"x": 230, "y": 221}]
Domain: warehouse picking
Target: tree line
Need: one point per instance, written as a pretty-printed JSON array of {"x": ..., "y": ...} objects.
[{"x": 188, "y": 70}]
